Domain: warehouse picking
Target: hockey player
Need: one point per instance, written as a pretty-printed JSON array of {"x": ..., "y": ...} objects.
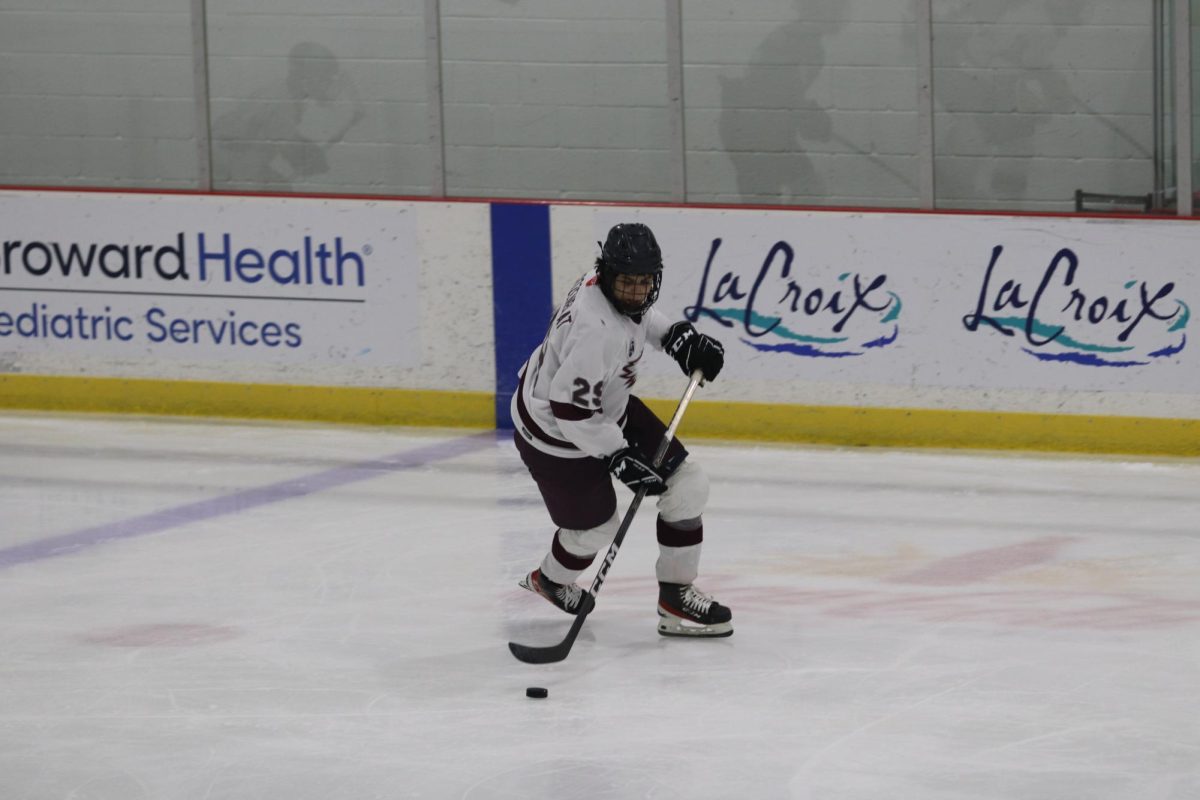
[{"x": 578, "y": 426}]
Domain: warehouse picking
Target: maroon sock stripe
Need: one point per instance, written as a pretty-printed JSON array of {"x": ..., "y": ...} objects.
[
  {"x": 674, "y": 537},
  {"x": 568, "y": 559}
]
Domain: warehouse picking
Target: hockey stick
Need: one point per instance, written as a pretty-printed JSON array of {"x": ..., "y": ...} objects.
[{"x": 557, "y": 652}]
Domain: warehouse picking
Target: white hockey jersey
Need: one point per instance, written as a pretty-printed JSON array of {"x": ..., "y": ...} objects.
[{"x": 571, "y": 398}]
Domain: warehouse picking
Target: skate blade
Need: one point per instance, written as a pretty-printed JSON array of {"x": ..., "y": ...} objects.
[{"x": 674, "y": 626}]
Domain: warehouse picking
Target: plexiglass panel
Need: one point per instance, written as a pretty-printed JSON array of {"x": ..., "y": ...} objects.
[
  {"x": 1035, "y": 100},
  {"x": 311, "y": 98},
  {"x": 97, "y": 93},
  {"x": 1195, "y": 94},
  {"x": 556, "y": 99},
  {"x": 785, "y": 102},
  {"x": 809, "y": 102}
]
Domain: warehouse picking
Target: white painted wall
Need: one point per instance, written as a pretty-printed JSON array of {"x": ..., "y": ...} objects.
[{"x": 788, "y": 101}]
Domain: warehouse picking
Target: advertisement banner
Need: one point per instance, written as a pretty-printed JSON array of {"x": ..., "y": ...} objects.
[
  {"x": 209, "y": 279},
  {"x": 934, "y": 300}
]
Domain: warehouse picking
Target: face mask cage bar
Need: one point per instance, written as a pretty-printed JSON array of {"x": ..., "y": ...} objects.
[{"x": 608, "y": 279}]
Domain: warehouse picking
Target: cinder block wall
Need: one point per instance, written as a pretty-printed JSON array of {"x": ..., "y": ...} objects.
[{"x": 788, "y": 101}]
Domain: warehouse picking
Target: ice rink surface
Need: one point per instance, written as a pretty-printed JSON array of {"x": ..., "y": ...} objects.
[{"x": 226, "y": 611}]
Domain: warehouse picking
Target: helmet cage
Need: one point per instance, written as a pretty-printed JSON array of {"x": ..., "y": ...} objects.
[{"x": 608, "y": 278}]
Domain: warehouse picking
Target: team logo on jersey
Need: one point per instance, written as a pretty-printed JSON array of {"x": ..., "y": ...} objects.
[
  {"x": 629, "y": 371},
  {"x": 1067, "y": 319},
  {"x": 850, "y": 315}
]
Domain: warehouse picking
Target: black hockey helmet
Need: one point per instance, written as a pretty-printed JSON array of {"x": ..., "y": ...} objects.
[{"x": 630, "y": 249}]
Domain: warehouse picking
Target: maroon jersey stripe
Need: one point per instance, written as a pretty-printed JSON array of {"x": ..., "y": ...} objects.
[
  {"x": 532, "y": 426},
  {"x": 569, "y": 412}
]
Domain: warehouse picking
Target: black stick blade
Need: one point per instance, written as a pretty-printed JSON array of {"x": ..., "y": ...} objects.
[
  {"x": 555, "y": 652},
  {"x": 540, "y": 655}
]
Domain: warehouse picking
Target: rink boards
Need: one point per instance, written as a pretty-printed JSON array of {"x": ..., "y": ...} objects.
[{"x": 845, "y": 327}]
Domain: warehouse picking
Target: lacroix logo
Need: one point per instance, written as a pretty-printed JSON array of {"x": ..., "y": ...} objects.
[
  {"x": 820, "y": 314},
  {"x": 1065, "y": 317}
]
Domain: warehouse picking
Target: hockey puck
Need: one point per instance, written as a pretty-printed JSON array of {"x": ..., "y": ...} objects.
[{"x": 536, "y": 691}]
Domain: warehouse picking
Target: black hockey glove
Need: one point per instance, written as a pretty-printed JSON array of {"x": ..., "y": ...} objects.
[
  {"x": 631, "y": 467},
  {"x": 694, "y": 350}
]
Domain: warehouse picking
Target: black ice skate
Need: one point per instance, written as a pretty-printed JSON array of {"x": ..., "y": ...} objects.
[
  {"x": 568, "y": 596},
  {"x": 683, "y": 610}
]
